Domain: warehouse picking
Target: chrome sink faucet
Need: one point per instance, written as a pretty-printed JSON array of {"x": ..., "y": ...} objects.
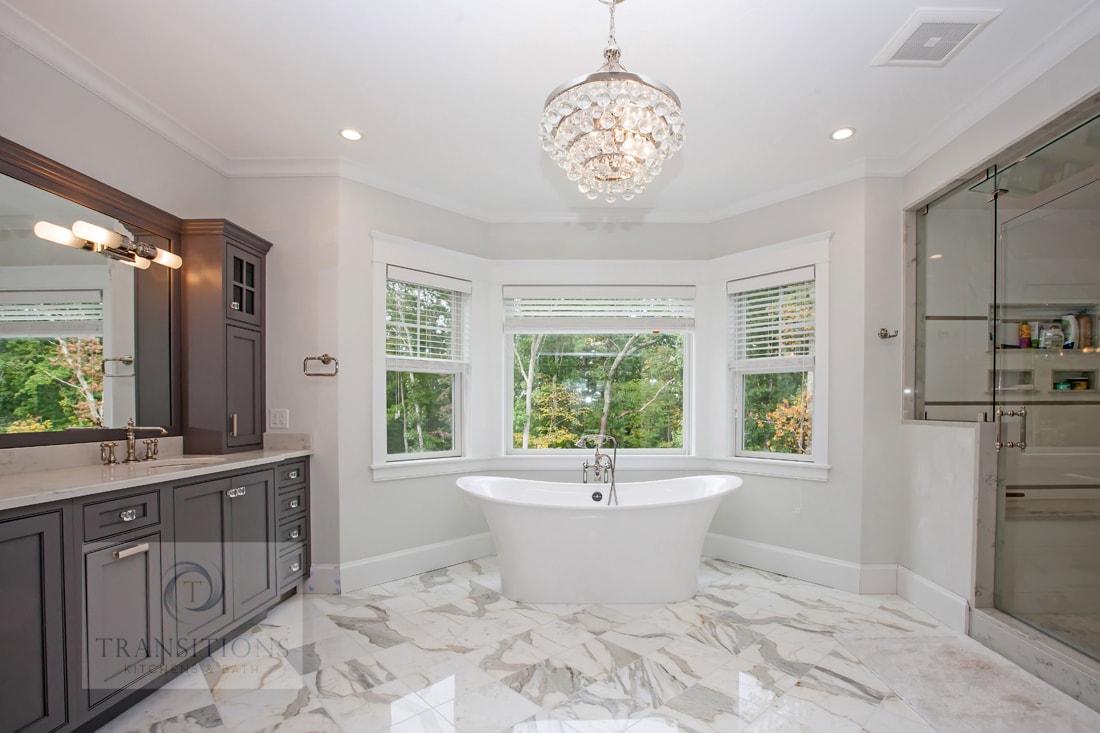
[{"x": 602, "y": 465}]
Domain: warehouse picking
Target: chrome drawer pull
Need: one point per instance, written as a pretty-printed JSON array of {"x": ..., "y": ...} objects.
[
  {"x": 295, "y": 567},
  {"x": 128, "y": 515},
  {"x": 293, "y": 504},
  {"x": 235, "y": 305},
  {"x": 293, "y": 474},
  {"x": 129, "y": 551},
  {"x": 295, "y": 534},
  {"x": 239, "y": 491}
]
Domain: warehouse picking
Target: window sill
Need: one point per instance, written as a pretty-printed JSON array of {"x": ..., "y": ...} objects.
[
  {"x": 572, "y": 461},
  {"x": 769, "y": 467}
]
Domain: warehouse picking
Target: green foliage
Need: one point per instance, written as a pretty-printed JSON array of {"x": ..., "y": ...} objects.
[
  {"x": 628, "y": 385},
  {"x": 777, "y": 411},
  {"x": 419, "y": 412},
  {"x": 49, "y": 383}
]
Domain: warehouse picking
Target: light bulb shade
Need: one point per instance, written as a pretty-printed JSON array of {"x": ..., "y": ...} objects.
[
  {"x": 60, "y": 235},
  {"x": 168, "y": 259},
  {"x": 97, "y": 234},
  {"x": 139, "y": 263},
  {"x": 612, "y": 131}
]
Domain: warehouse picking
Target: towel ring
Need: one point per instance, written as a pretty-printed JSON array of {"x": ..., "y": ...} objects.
[{"x": 325, "y": 359}]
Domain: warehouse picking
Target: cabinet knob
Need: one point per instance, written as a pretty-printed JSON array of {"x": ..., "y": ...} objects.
[
  {"x": 293, "y": 474},
  {"x": 294, "y": 503},
  {"x": 235, "y": 305},
  {"x": 295, "y": 534},
  {"x": 295, "y": 567},
  {"x": 128, "y": 515}
]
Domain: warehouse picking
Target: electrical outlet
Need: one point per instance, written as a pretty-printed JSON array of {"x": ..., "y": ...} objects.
[{"x": 278, "y": 419}]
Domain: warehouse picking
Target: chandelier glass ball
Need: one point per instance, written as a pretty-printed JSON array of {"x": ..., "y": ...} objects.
[{"x": 612, "y": 130}]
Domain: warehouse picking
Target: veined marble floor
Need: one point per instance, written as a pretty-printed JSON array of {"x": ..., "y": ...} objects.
[{"x": 444, "y": 651}]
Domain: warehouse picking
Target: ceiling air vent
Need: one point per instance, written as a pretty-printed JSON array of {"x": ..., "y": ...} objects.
[{"x": 932, "y": 36}]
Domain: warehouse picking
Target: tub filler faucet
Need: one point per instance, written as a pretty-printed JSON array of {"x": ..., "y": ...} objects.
[{"x": 602, "y": 465}]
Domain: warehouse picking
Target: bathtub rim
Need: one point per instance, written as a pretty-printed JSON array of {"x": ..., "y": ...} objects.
[{"x": 594, "y": 506}]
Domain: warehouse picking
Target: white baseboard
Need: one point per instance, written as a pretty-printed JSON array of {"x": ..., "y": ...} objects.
[
  {"x": 819, "y": 569},
  {"x": 938, "y": 602},
  {"x": 350, "y": 576},
  {"x": 878, "y": 580}
]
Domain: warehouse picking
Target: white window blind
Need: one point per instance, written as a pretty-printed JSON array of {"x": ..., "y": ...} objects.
[
  {"x": 584, "y": 308},
  {"x": 51, "y": 313},
  {"x": 771, "y": 321},
  {"x": 427, "y": 318}
]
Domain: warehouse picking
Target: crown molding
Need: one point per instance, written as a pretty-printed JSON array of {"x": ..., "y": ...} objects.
[{"x": 48, "y": 48}]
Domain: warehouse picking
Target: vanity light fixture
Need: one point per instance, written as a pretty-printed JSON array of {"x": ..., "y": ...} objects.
[
  {"x": 612, "y": 130},
  {"x": 843, "y": 133},
  {"x": 120, "y": 247}
]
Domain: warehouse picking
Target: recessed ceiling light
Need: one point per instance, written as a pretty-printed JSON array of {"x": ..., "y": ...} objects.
[
  {"x": 844, "y": 133},
  {"x": 349, "y": 134},
  {"x": 935, "y": 257}
]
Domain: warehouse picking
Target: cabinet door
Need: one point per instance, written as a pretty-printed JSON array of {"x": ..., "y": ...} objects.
[
  {"x": 244, "y": 387},
  {"x": 123, "y": 632},
  {"x": 253, "y": 541},
  {"x": 32, "y": 625},
  {"x": 196, "y": 598},
  {"x": 244, "y": 296}
]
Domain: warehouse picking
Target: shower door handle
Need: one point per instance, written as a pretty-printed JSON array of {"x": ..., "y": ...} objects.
[{"x": 1001, "y": 415}]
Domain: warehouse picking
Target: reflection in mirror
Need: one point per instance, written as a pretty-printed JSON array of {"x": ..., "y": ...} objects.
[
  {"x": 86, "y": 340},
  {"x": 66, "y": 321}
]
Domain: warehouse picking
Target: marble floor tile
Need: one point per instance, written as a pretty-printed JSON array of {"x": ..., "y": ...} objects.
[
  {"x": 487, "y": 709},
  {"x": 752, "y": 652}
]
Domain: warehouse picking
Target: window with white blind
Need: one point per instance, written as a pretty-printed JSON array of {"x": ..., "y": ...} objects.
[
  {"x": 773, "y": 333},
  {"x": 598, "y": 359},
  {"x": 427, "y": 359},
  {"x": 51, "y": 359}
]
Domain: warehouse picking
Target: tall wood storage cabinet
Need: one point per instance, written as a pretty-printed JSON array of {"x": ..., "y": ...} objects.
[{"x": 223, "y": 337}]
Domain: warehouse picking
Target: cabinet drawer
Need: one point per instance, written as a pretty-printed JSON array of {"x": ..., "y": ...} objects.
[
  {"x": 292, "y": 502},
  {"x": 290, "y": 474},
  {"x": 292, "y": 566},
  {"x": 292, "y": 532},
  {"x": 105, "y": 518}
]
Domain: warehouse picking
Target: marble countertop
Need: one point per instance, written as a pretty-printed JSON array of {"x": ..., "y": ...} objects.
[{"x": 39, "y": 487}]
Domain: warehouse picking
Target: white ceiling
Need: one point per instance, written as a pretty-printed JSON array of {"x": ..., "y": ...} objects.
[{"x": 448, "y": 93}]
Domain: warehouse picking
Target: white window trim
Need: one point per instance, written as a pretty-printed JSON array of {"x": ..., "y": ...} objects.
[
  {"x": 422, "y": 264},
  {"x": 511, "y": 326},
  {"x": 768, "y": 261}
]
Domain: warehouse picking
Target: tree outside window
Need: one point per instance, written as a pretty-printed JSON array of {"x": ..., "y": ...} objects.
[
  {"x": 425, "y": 360},
  {"x": 630, "y": 385},
  {"x": 772, "y": 351}
]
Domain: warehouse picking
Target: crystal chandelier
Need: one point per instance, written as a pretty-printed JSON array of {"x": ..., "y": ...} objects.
[{"x": 612, "y": 130}]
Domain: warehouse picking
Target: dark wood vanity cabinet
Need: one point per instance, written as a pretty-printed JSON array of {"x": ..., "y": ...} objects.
[
  {"x": 292, "y": 513},
  {"x": 111, "y": 594},
  {"x": 35, "y": 651},
  {"x": 223, "y": 337},
  {"x": 121, "y": 560},
  {"x": 224, "y": 566}
]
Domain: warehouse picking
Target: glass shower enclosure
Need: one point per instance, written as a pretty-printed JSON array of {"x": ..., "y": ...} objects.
[{"x": 1009, "y": 296}]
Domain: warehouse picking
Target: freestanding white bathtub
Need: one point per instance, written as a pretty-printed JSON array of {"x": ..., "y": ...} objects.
[{"x": 556, "y": 545}]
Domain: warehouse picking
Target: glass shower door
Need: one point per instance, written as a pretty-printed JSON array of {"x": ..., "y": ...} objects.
[{"x": 1046, "y": 385}]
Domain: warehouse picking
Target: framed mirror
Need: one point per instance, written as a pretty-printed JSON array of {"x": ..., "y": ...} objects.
[{"x": 86, "y": 341}]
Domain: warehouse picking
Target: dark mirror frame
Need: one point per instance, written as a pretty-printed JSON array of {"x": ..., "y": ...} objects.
[{"x": 155, "y": 395}]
